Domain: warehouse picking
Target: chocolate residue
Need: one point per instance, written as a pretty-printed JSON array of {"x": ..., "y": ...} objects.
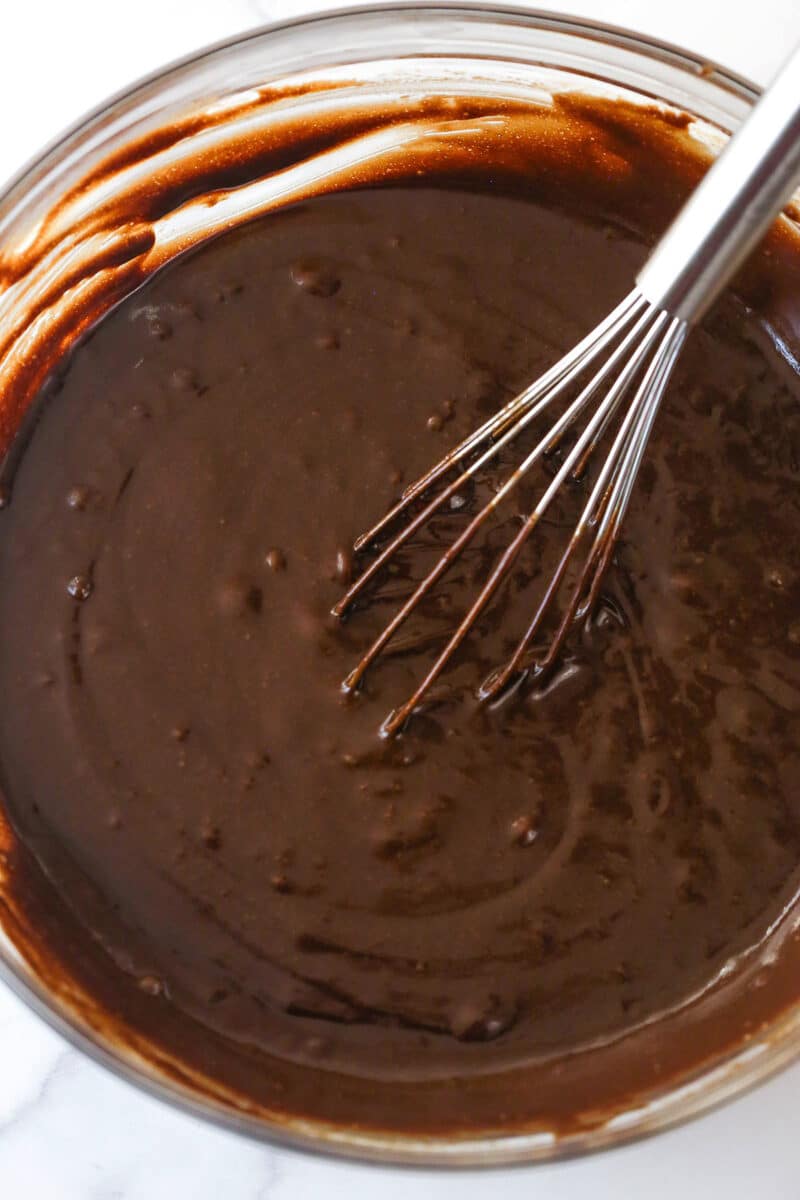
[{"x": 531, "y": 916}]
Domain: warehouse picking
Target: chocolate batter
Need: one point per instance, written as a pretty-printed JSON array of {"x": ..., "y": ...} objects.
[{"x": 519, "y": 916}]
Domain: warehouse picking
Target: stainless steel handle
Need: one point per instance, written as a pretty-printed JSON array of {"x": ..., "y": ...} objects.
[{"x": 733, "y": 205}]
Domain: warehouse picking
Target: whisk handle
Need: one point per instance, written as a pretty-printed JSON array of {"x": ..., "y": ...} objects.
[{"x": 732, "y": 207}]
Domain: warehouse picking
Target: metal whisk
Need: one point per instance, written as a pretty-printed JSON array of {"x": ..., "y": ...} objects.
[{"x": 633, "y": 351}]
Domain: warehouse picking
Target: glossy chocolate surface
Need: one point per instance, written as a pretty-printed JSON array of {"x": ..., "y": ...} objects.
[{"x": 519, "y": 916}]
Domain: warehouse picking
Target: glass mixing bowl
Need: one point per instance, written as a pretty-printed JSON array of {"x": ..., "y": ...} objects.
[{"x": 214, "y": 97}]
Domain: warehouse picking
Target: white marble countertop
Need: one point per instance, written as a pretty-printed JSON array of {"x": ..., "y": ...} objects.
[{"x": 68, "y": 1129}]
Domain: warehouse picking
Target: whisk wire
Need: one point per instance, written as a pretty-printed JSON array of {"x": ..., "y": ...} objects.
[
  {"x": 642, "y": 349},
  {"x": 604, "y": 513},
  {"x": 633, "y": 365},
  {"x": 448, "y": 558}
]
